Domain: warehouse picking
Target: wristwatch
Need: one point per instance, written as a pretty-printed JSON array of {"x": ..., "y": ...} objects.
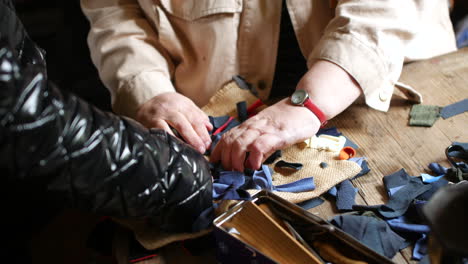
[{"x": 301, "y": 98}]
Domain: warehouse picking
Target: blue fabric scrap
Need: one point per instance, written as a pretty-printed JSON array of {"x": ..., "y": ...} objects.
[
  {"x": 401, "y": 199},
  {"x": 437, "y": 168},
  {"x": 426, "y": 178},
  {"x": 454, "y": 109},
  {"x": 372, "y": 232},
  {"x": 331, "y": 131},
  {"x": 346, "y": 195},
  {"x": 311, "y": 203}
]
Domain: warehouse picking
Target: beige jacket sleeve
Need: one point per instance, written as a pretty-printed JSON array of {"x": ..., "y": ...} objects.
[
  {"x": 370, "y": 40},
  {"x": 125, "y": 49}
]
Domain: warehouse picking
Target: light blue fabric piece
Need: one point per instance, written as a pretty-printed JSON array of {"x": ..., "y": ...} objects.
[
  {"x": 302, "y": 185},
  {"x": 420, "y": 248},
  {"x": 358, "y": 160},
  {"x": 393, "y": 190},
  {"x": 263, "y": 180},
  {"x": 401, "y": 224},
  {"x": 333, "y": 191},
  {"x": 426, "y": 178}
]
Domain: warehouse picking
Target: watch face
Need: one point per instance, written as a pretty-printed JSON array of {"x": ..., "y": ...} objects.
[{"x": 298, "y": 97}]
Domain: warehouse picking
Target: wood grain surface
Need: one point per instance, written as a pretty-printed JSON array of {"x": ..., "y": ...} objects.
[{"x": 390, "y": 144}]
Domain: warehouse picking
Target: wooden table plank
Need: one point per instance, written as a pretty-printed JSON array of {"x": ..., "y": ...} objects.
[{"x": 390, "y": 144}]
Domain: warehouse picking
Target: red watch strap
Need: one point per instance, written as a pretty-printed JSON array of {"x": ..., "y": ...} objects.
[{"x": 312, "y": 107}]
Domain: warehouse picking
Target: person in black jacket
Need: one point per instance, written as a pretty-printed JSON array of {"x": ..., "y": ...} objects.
[{"x": 58, "y": 151}]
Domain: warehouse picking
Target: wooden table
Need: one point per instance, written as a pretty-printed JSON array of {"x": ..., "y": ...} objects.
[{"x": 390, "y": 144}]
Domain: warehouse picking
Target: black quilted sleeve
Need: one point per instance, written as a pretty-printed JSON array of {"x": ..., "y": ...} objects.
[{"x": 92, "y": 159}]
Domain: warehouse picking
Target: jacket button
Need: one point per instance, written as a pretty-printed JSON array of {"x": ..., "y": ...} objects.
[
  {"x": 383, "y": 96},
  {"x": 261, "y": 85}
]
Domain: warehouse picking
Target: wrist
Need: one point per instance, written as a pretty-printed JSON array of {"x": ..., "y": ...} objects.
[
  {"x": 329, "y": 87},
  {"x": 301, "y": 98}
]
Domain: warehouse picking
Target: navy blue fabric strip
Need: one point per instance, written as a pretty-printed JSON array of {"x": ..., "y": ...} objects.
[
  {"x": 309, "y": 204},
  {"x": 345, "y": 196},
  {"x": 454, "y": 109}
]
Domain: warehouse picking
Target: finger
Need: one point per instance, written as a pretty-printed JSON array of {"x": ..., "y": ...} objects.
[
  {"x": 185, "y": 129},
  {"x": 261, "y": 148},
  {"x": 208, "y": 125},
  {"x": 239, "y": 147},
  {"x": 161, "y": 124},
  {"x": 202, "y": 132}
]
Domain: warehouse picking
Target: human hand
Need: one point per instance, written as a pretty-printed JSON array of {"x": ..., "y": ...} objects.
[
  {"x": 175, "y": 110},
  {"x": 276, "y": 127}
]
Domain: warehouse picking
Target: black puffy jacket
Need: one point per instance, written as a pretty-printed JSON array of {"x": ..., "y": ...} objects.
[{"x": 85, "y": 158}]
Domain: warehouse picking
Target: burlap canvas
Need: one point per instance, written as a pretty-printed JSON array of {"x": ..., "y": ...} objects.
[{"x": 224, "y": 103}]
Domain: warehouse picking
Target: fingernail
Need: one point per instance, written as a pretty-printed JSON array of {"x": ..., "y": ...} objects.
[
  {"x": 201, "y": 149},
  {"x": 207, "y": 144}
]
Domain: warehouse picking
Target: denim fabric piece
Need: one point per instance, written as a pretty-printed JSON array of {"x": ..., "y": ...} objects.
[
  {"x": 401, "y": 199},
  {"x": 420, "y": 248},
  {"x": 345, "y": 197},
  {"x": 218, "y": 121},
  {"x": 372, "y": 232},
  {"x": 288, "y": 165},
  {"x": 331, "y": 131},
  {"x": 393, "y": 190},
  {"x": 437, "y": 168},
  {"x": 226, "y": 187},
  {"x": 402, "y": 224},
  {"x": 242, "y": 111},
  {"x": 410, "y": 226},
  {"x": 435, "y": 186},
  {"x": 424, "y": 115},
  {"x": 426, "y": 178},
  {"x": 361, "y": 161},
  {"x": 358, "y": 160},
  {"x": 333, "y": 191},
  {"x": 364, "y": 208},
  {"x": 273, "y": 157},
  {"x": 309, "y": 204},
  {"x": 454, "y": 109},
  {"x": 302, "y": 185},
  {"x": 263, "y": 180},
  {"x": 396, "y": 179}
]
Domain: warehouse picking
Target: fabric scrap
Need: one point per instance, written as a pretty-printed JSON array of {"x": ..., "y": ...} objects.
[
  {"x": 427, "y": 178},
  {"x": 263, "y": 180},
  {"x": 309, "y": 204},
  {"x": 345, "y": 196},
  {"x": 437, "y": 168},
  {"x": 424, "y": 115},
  {"x": 242, "y": 111},
  {"x": 454, "y": 109},
  {"x": 372, "y": 232},
  {"x": 288, "y": 165},
  {"x": 400, "y": 200},
  {"x": 277, "y": 154},
  {"x": 331, "y": 131}
]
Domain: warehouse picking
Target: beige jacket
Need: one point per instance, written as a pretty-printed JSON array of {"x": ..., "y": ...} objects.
[{"x": 146, "y": 47}]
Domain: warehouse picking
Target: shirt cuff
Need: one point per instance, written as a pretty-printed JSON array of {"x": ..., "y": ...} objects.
[
  {"x": 365, "y": 64},
  {"x": 138, "y": 90}
]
